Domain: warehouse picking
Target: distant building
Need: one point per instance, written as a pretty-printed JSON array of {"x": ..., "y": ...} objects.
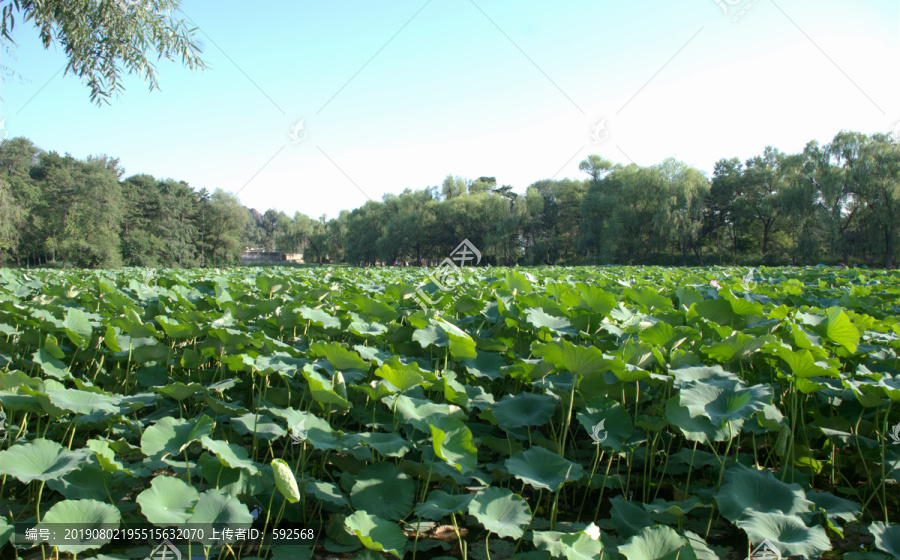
[{"x": 257, "y": 255}]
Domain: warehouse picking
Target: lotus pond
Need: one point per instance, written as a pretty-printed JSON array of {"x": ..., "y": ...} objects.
[{"x": 612, "y": 412}]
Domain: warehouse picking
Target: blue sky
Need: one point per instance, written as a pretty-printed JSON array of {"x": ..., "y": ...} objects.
[{"x": 397, "y": 95}]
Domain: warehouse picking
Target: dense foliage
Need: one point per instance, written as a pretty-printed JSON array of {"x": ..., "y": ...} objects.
[
  {"x": 100, "y": 39},
  {"x": 837, "y": 203},
  {"x": 638, "y": 413},
  {"x": 62, "y": 209}
]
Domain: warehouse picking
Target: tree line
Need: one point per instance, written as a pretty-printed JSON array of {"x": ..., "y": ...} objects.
[
  {"x": 59, "y": 209},
  {"x": 832, "y": 203}
]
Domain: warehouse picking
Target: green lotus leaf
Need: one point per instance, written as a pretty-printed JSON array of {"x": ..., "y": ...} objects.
[
  {"x": 169, "y": 436},
  {"x": 440, "y": 503},
  {"x": 699, "y": 373},
  {"x": 371, "y": 330},
  {"x": 887, "y": 537},
  {"x": 743, "y": 306},
  {"x": 572, "y": 546},
  {"x": 788, "y": 533},
  {"x": 595, "y": 299},
  {"x": 579, "y": 360},
  {"x": 696, "y": 428},
  {"x": 83, "y": 402},
  {"x": 610, "y": 420},
  {"x": 382, "y": 487},
  {"x": 78, "y": 327},
  {"x": 15, "y": 378},
  {"x": 430, "y": 335},
  {"x": 453, "y": 442},
  {"x": 516, "y": 282},
  {"x": 725, "y": 402},
  {"x": 231, "y": 481},
  {"x": 524, "y": 409},
  {"x": 628, "y": 518},
  {"x": 261, "y": 424},
  {"x": 319, "y": 318},
  {"x": 179, "y": 391},
  {"x": 414, "y": 411},
  {"x": 6, "y": 532},
  {"x": 486, "y": 365},
  {"x": 322, "y": 389},
  {"x": 840, "y": 330},
  {"x": 87, "y": 481},
  {"x": 375, "y": 308},
  {"x": 716, "y": 310},
  {"x": 543, "y": 469},
  {"x": 746, "y": 490},
  {"x": 736, "y": 347},
  {"x": 169, "y": 501},
  {"x": 540, "y": 319},
  {"x": 389, "y": 445},
  {"x": 341, "y": 358},
  {"x": 176, "y": 329},
  {"x": 220, "y": 510},
  {"x": 41, "y": 459},
  {"x": 87, "y": 514},
  {"x": 376, "y": 533},
  {"x": 50, "y": 365},
  {"x": 835, "y": 507},
  {"x": 399, "y": 375},
  {"x": 326, "y": 492},
  {"x": 501, "y": 512},
  {"x": 229, "y": 454},
  {"x": 657, "y": 543},
  {"x": 461, "y": 345}
]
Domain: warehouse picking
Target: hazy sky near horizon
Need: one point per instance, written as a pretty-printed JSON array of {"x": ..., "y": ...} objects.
[{"x": 397, "y": 95}]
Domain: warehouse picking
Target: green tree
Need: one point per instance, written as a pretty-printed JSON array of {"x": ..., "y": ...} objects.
[
  {"x": 597, "y": 208},
  {"x": 482, "y": 184},
  {"x": 453, "y": 187},
  {"x": 595, "y": 166},
  {"x": 724, "y": 221},
  {"x": 802, "y": 203},
  {"x": 225, "y": 224},
  {"x": 81, "y": 210},
  {"x": 554, "y": 219},
  {"x": 680, "y": 214},
  {"x": 877, "y": 176},
  {"x": 178, "y": 224},
  {"x": 835, "y": 181},
  {"x": 409, "y": 218},
  {"x": 11, "y": 215},
  {"x": 103, "y": 38},
  {"x": 142, "y": 242},
  {"x": 365, "y": 225},
  {"x": 17, "y": 158},
  {"x": 506, "y": 238},
  {"x": 764, "y": 180}
]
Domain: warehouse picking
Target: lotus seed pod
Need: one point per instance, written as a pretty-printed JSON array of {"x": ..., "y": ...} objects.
[{"x": 285, "y": 481}]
